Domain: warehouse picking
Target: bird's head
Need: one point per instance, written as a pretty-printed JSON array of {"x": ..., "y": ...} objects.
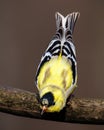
[
  {"x": 52, "y": 101},
  {"x": 47, "y": 101}
]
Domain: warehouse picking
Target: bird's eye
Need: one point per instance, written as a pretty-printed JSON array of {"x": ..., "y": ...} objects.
[{"x": 45, "y": 102}]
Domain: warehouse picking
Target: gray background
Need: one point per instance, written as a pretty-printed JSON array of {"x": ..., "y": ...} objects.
[{"x": 26, "y": 27}]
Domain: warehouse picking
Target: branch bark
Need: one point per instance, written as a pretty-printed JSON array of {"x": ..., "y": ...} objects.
[{"x": 78, "y": 110}]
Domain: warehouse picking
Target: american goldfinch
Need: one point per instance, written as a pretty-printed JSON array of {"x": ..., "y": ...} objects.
[{"x": 56, "y": 75}]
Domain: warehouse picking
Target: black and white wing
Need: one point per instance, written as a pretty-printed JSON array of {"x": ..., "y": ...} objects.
[{"x": 62, "y": 42}]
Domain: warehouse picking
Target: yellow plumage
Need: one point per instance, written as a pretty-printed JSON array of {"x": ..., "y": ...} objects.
[{"x": 57, "y": 73}]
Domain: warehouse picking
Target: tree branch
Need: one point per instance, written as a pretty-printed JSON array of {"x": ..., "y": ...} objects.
[{"x": 24, "y": 103}]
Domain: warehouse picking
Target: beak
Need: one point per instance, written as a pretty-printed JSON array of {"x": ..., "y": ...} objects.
[{"x": 44, "y": 108}]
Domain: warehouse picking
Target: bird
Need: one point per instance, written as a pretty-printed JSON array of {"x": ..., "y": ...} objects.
[{"x": 56, "y": 76}]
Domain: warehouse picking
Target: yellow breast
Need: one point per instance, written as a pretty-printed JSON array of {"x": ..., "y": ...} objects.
[{"x": 56, "y": 72}]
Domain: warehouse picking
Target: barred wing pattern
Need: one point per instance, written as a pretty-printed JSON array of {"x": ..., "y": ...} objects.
[{"x": 62, "y": 42}]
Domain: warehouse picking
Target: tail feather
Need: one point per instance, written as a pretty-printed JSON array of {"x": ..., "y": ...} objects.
[
  {"x": 71, "y": 20},
  {"x": 67, "y": 22},
  {"x": 59, "y": 20}
]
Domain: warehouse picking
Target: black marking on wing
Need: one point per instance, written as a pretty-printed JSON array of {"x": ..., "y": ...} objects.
[
  {"x": 65, "y": 51},
  {"x": 53, "y": 45},
  {"x": 68, "y": 35},
  {"x": 71, "y": 51},
  {"x": 73, "y": 68},
  {"x": 68, "y": 52},
  {"x": 59, "y": 33},
  {"x": 53, "y": 50},
  {"x": 44, "y": 60}
]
